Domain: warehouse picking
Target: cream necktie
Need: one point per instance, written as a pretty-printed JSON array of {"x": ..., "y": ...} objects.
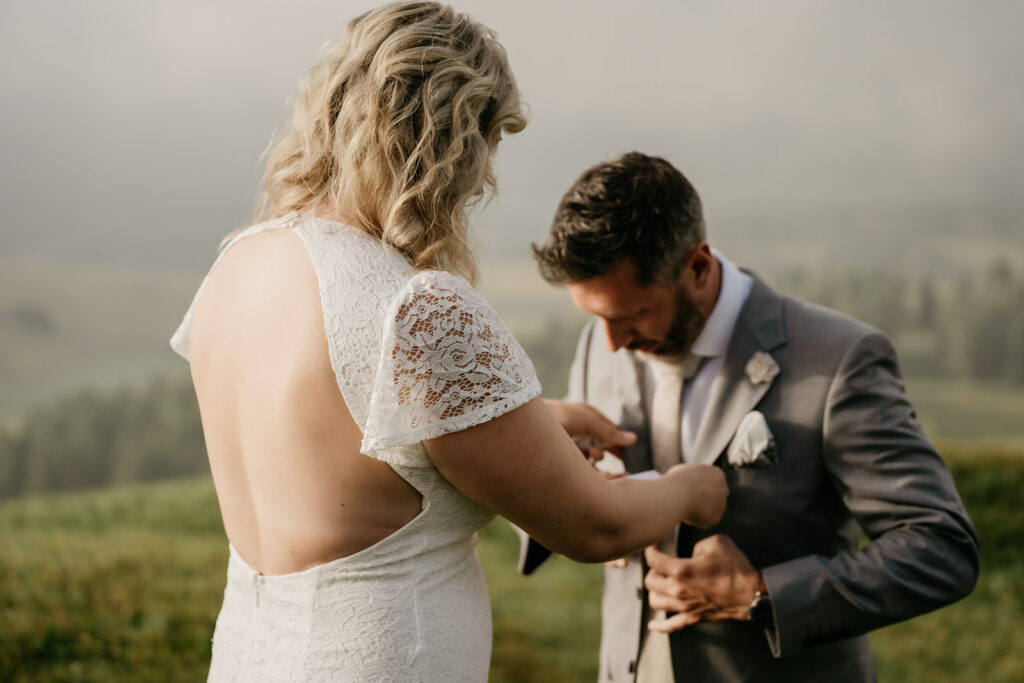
[{"x": 655, "y": 665}]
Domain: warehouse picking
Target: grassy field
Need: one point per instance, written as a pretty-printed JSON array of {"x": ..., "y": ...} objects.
[{"x": 124, "y": 585}]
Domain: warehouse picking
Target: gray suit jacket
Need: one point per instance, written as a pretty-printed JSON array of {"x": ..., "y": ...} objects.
[{"x": 850, "y": 457}]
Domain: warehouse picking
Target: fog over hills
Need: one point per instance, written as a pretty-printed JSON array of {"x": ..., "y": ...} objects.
[{"x": 130, "y": 133}]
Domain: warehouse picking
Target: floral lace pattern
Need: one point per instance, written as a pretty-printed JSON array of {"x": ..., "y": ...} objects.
[
  {"x": 416, "y": 355},
  {"x": 448, "y": 363}
]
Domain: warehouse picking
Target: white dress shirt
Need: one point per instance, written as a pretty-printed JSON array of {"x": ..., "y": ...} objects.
[{"x": 712, "y": 344}]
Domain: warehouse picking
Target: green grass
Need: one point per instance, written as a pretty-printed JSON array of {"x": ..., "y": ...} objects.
[
  {"x": 117, "y": 585},
  {"x": 547, "y": 626},
  {"x": 978, "y": 638},
  {"x": 125, "y": 584}
]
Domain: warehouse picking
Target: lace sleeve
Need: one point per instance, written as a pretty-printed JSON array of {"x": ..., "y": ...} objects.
[{"x": 447, "y": 363}]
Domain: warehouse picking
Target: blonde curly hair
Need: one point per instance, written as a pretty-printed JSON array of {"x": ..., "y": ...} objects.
[{"x": 396, "y": 126}]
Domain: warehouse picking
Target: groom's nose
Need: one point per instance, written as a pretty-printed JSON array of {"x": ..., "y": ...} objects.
[{"x": 618, "y": 334}]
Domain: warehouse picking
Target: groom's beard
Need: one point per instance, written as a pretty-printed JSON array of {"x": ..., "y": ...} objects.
[{"x": 687, "y": 324}]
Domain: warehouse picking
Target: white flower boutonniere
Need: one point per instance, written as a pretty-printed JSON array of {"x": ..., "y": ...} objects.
[{"x": 761, "y": 368}]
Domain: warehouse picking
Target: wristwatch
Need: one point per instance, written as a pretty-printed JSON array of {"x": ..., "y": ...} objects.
[{"x": 761, "y": 611}]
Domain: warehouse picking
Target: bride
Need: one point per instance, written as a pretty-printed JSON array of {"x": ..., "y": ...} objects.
[{"x": 365, "y": 411}]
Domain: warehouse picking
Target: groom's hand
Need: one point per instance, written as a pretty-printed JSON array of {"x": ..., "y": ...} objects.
[
  {"x": 715, "y": 584},
  {"x": 593, "y": 432}
]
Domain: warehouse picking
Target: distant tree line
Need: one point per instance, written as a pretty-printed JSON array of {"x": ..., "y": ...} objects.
[
  {"x": 966, "y": 325},
  {"x": 91, "y": 440},
  {"x": 969, "y": 325}
]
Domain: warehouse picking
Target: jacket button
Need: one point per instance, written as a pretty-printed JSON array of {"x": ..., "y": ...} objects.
[
  {"x": 632, "y": 667},
  {"x": 639, "y": 593}
]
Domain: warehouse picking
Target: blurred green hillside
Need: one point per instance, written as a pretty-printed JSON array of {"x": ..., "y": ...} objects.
[
  {"x": 91, "y": 395},
  {"x": 125, "y": 584},
  {"x": 66, "y": 327}
]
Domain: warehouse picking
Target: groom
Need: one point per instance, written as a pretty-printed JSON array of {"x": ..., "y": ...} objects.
[{"x": 802, "y": 407}]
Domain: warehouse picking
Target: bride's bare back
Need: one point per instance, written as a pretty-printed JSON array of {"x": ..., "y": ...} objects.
[{"x": 294, "y": 489}]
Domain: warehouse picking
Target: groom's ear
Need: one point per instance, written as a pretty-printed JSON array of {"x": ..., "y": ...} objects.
[{"x": 698, "y": 266}]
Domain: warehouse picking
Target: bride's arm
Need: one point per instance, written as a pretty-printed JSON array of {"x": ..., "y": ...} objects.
[{"x": 523, "y": 466}]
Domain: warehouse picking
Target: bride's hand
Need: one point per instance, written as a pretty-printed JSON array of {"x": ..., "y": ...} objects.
[
  {"x": 705, "y": 491},
  {"x": 591, "y": 430}
]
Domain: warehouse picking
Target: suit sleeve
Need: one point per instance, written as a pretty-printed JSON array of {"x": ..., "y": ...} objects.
[
  {"x": 923, "y": 551},
  {"x": 531, "y": 553}
]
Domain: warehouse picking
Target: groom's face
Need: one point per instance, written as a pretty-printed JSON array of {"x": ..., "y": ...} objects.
[{"x": 654, "y": 320}]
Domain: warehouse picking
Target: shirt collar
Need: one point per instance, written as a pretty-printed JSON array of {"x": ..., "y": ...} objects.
[{"x": 714, "y": 338}]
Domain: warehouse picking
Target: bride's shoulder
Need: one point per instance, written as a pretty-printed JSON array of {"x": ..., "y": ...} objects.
[
  {"x": 440, "y": 280},
  {"x": 438, "y": 289}
]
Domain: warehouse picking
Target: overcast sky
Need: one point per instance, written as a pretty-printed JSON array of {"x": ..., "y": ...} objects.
[{"x": 131, "y": 131}]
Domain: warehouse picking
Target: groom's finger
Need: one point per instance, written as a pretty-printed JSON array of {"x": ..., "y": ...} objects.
[
  {"x": 591, "y": 421},
  {"x": 717, "y": 614},
  {"x": 665, "y": 592},
  {"x": 605, "y": 428},
  {"x": 656, "y": 582},
  {"x": 666, "y": 565},
  {"x": 667, "y": 603},
  {"x": 674, "y": 622}
]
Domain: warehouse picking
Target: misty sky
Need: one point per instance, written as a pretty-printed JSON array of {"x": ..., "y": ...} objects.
[{"x": 130, "y": 132}]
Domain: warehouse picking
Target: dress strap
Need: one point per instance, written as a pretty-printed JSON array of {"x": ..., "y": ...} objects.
[{"x": 273, "y": 224}]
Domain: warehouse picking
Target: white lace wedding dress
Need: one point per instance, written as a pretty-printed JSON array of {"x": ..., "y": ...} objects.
[{"x": 417, "y": 355}]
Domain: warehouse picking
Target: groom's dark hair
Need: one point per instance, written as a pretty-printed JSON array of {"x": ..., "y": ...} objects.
[{"x": 635, "y": 208}]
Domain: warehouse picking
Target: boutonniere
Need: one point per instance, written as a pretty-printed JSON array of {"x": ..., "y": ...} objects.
[
  {"x": 753, "y": 444},
  {"x": 761, "y": 368}
]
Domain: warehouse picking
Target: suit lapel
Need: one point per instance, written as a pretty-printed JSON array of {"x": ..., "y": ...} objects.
[{"x": 761, "y": 327}]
